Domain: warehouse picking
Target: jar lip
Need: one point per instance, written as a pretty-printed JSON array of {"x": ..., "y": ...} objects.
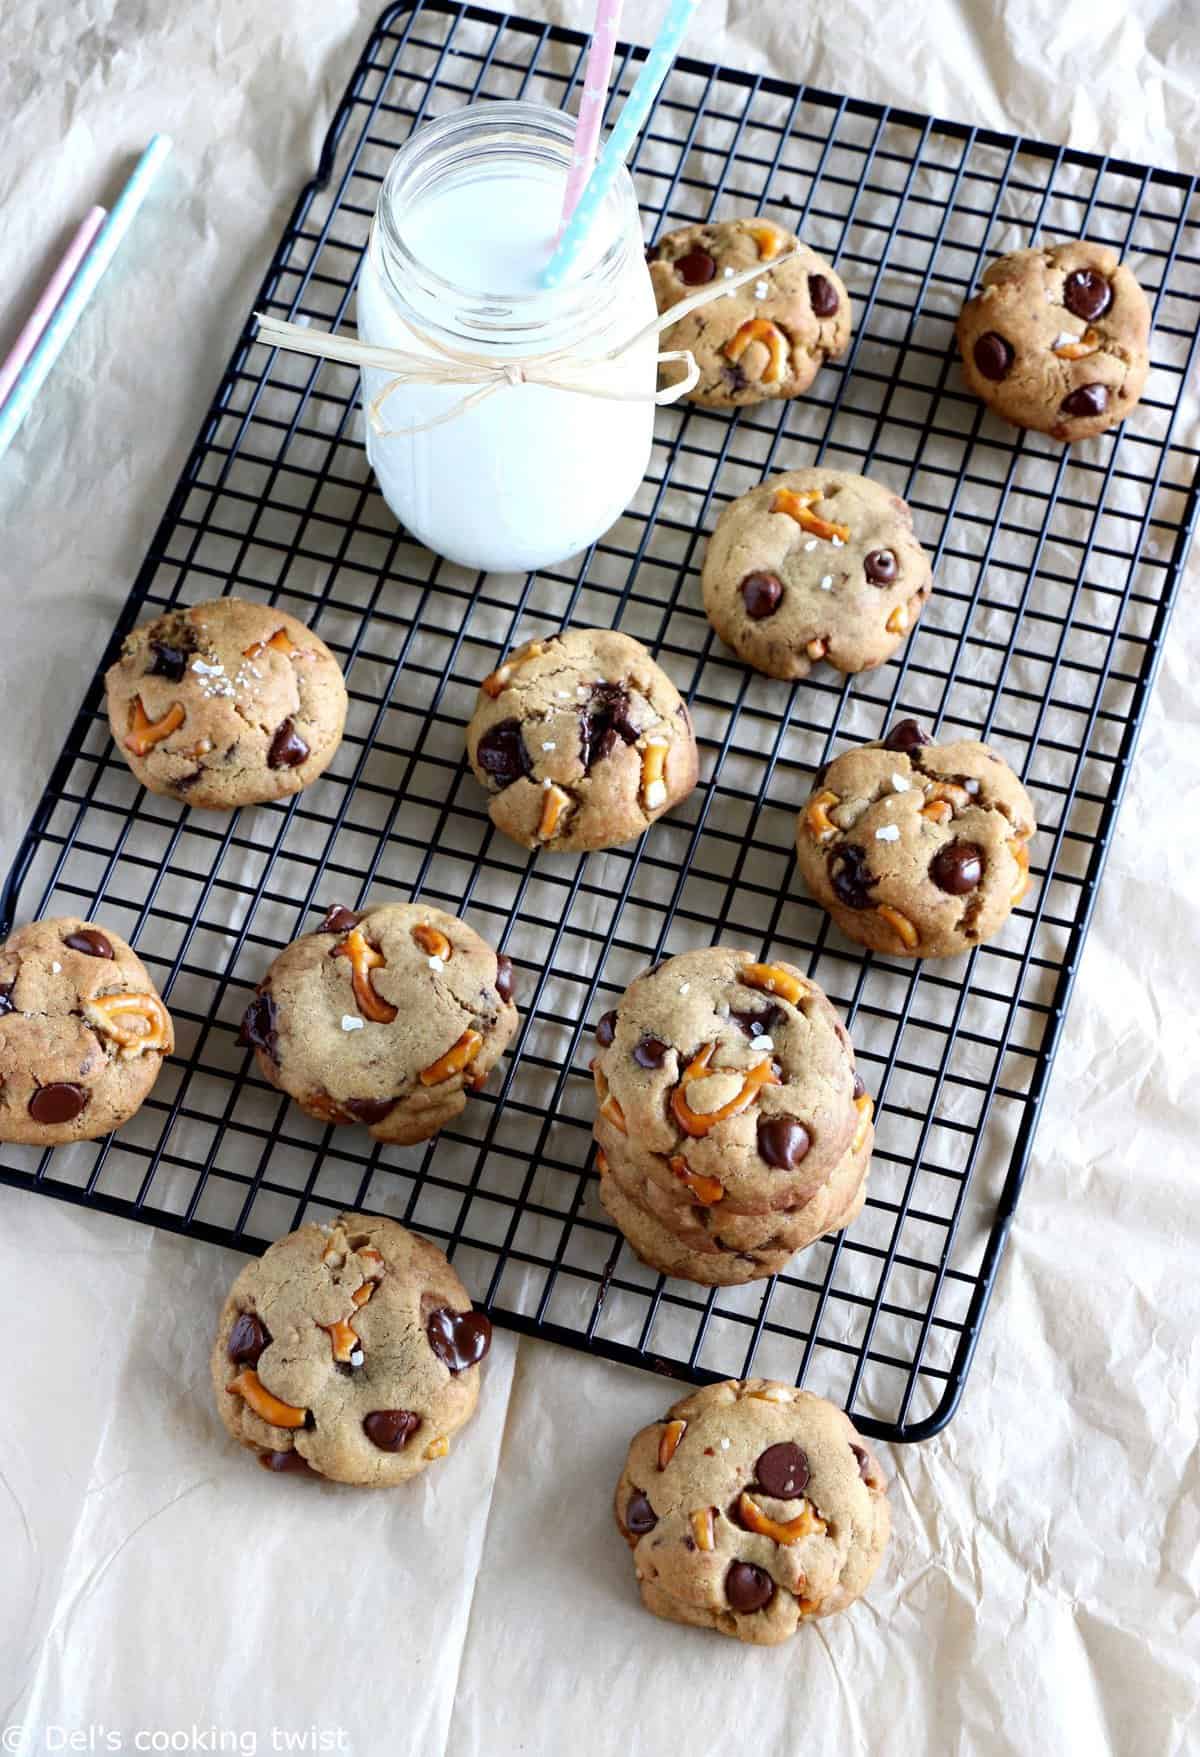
[{"x": 551, "y": 132}]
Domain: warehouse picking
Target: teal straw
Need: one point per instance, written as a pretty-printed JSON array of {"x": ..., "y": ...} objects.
[
  {"x": 74, "y": 300},
  {"x": 619, "y": 144}
]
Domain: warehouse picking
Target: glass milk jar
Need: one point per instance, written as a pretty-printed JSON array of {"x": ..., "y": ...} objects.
[{"x": 530, "y": 474}]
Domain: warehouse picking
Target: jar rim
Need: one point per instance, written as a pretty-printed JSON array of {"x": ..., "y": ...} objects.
[{"x": 528, "y": 130}]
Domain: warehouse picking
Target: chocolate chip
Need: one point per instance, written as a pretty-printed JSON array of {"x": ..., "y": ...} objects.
[
  {"x": 748, "y": 1588},
  {"x": 860, "y": 1090},
  {"x": 881, "y": 567},
  {"x": 906, "y": 735},
  {"x": 1089, "y": 399},
  {"x": 169, "y": 661},
  {"x": 1087, "y": 293},
  {"x": 603, "y": 721},
  {"x": 60, "y": 1102},
  {"x": 957, "y": 868},
  {"x": 504, "y": 977},
  {"x": 864, "y": 1463},
  {"x": 758, "y": 1024},
  {"x": 823, "y": 295},
  {"x": 762, "y": 594},
  {"x": 6, "y": 1003},
  {"x": 501, "y": 753},
  {"x": 90, "y": 942},
  {"x": 185, "y": 783},
  {"x": 649, "y": 1052},
  {"x": 851, "y": 877},
  {"x": 260, "y": 1026},
  {"x": 460, "y": 1339},
  {"x": 288, "y": 750},
  {"x": 290, "y": 1460},
  {"x": 247, "y": 1340},
  {"x": 782, "y": 1141},
  {"x": 782, "y": 1470},
  {"x": 640, "y": 1516},
  {"x": 390, "y": 1429},
  {"x": 339, "y": 920},
  {"x": 369, "y": 1110},
  {"x": 993, "y": 356},
  {"x": 606, "y": 1028},
  {"x": 696, "y": 268}
]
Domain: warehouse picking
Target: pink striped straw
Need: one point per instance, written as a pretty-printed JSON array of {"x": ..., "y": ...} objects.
[
  {"x": 596, "y": 77},
  {"x": 49, "y": 298}
]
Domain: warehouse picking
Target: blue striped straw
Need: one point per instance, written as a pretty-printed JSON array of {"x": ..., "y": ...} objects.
[
  {"x": 87, "y": 278},
  {"x": 619, "y": 144}
]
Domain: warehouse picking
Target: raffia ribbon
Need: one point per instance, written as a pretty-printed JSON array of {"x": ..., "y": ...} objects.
[{"x": 562, "y": 369}]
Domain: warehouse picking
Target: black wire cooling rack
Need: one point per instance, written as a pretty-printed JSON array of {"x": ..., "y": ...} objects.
[{"x": 1055, "y": 573}]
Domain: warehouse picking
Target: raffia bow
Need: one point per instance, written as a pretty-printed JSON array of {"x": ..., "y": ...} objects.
[{"x": 562, "y": 369}]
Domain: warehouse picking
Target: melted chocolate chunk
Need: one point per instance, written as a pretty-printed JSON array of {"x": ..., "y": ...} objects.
[
  {"x": 460, "y": 1339},
  {"x": 288, "y": 750},
  {"x": 504, "y": 977},
  {"x": 369, "y": 1110},
  {"x": 290, "y": 1460},
  {"x": 1087, "y": 294},
  {"x": 762, "y": 594},
  {"x": 957, "y": 868},
  {"x": 864, "y": 1463},
  {"x": 390, "y": 1429},
  {"x": 881, "y": 567},
  {"x": 851, "y": 877},
  {"x": 89, "y": 941},
  {"x": 906, "y": 735},
  {"x": 748, "y": 1588},
  {"x": 501, "y": 753},
  {"x": 640, "y": 1516},
  {"x": 822, "y": 295},
  {"x": 339, "y": 920},
  {"x": 782, "y": 1141},
  {"x": 649, "y": 1052},
  {"x": 260, "y": 1026},
  {"x": 782, "y": 1470},
  {"x": 186, "y": 782},
  {"x": 169, "y": 660},
  {"x": 696, "y": 268},
  {"x": 758, "y": 1024},
  {"x": 603, "y": 721},
  {"x": 1089, "y": 399},
  {"x": 6, "y": 1002},
  {"x": 60, "y": 1102},
  {"x": 606, "y": 1028},
  {"x": 993, "y": 356},
  {"x": 247, "y": 1340}
]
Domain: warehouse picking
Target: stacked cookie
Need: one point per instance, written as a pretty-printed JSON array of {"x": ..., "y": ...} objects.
[{"x": 731, "y": 1125}]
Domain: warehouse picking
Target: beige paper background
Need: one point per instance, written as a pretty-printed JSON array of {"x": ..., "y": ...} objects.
[{"x": 1040, "y": 1594}]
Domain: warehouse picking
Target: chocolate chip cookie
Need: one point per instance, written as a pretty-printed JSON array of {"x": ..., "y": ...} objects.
[
  {"x": 768, "y": 338},
  {"x": 815, "y": 564},
  {"x": 916, "y": 848},
  {"x": 581, "y": 742},
  {"x": 1058, "y": 340},
  {"x": 225, "y": 704},
  {"x": 83, "y": 1032},
  {"x": 349, "y": 1350},
  {"x": 731, "y": 1124},
  {"x": 752, "y": 1508},
  {"x": 385, "y": 1018}
]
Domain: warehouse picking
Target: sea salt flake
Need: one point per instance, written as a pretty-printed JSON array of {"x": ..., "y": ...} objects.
[
  {"x": 350, "y": 1023},
  {"x": 550, "y": 745},
  {"x": 827, "y": 583},
  {"x": 683, "y": 987},
  {"x": 203, "y": 670},
  {"x": 728, "y": 273},
  {"x": 1063, "y": 339},
  {"x": 811, "y": 544},
  {"x": 762, "y": 1042},
  {"x": 839, "y": 542},
  {"x": 889, "y": 833},
  {"x": 724, "y": 1445},
  {"x": 656, "y": 795},
  {"x": 761, "y": 289},
  {"x": 436, "y": 963},
  {"x": 899, "y": 784},
  {"x": 57, "y": 968}
]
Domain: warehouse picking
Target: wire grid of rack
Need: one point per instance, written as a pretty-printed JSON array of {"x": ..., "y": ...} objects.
[{"x": 1055, "y": 572}]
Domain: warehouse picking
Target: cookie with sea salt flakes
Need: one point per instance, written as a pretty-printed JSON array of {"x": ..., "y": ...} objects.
[
  {"x": 766, "y": 339},
  {"x": 83, "y": 1032},
  {"x": 225, "y": 704},
  {"x": 752, "y": 1508},
  {"x": 916, "y": 848},
  {"x": 1058, "y": 339},
  {"x": 386, "y": 1017},
  {"x": 581, "y": 742},
  {"x": 349, "y": 1350},
  {"x": 815, "y": 564}
]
